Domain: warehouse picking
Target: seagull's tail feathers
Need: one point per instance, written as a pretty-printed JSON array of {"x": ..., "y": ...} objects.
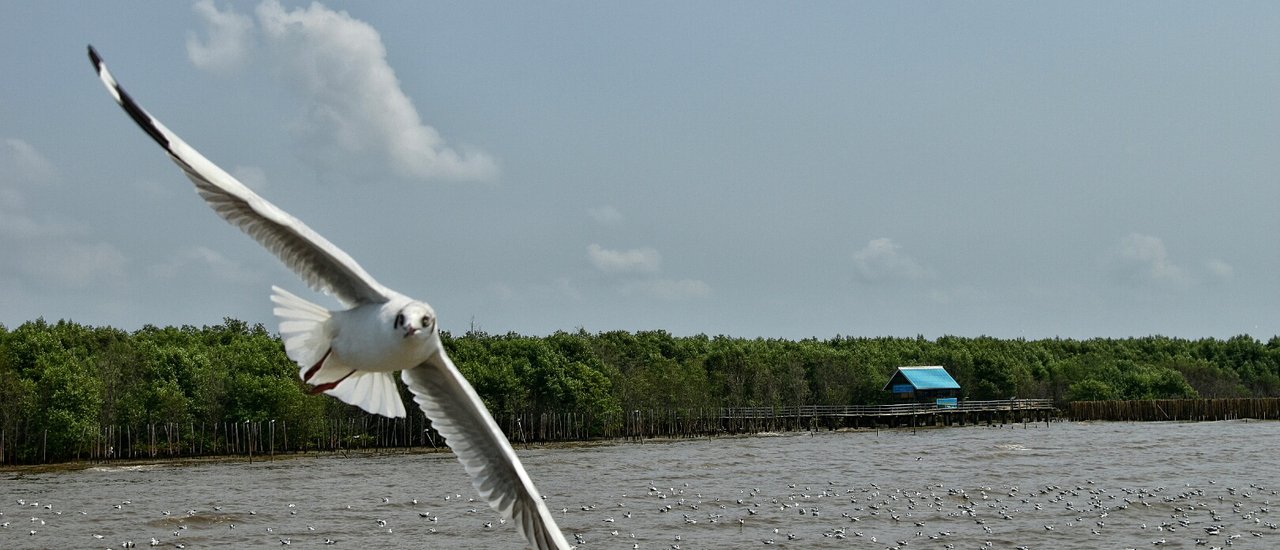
[
  {"x": 373, "y": 391},
  {"x": 304, "y": 327}
]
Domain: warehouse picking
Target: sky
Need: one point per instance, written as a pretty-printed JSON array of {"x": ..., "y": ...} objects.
[{"x": 1010, "y": 169}]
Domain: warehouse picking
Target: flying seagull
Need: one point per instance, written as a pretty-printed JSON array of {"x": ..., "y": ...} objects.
[{"x": 352, "y": 353}]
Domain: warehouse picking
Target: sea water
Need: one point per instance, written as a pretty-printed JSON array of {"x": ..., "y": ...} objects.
[{"x": 1057, "y": 485}]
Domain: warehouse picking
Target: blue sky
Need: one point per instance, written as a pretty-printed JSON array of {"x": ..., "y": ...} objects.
[{"x": 872, "y": 168}]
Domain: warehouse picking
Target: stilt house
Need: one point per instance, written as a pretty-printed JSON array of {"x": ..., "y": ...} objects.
[{"x": 923, "y": 385}]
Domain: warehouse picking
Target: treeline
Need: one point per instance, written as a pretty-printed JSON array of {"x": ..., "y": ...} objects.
[{"x": 62, "y": 384}]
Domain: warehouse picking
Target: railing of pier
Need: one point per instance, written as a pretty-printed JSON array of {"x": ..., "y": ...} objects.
[{"x": 886, "y": 410}]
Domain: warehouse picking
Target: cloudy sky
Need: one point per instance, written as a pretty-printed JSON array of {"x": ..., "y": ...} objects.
[{"x": 862, "y": 168}]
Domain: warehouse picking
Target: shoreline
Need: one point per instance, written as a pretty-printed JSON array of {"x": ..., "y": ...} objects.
[{"x": 18, "y": 470}]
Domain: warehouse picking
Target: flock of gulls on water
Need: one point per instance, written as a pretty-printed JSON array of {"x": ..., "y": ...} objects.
[{"x": 1086, "y": 515}]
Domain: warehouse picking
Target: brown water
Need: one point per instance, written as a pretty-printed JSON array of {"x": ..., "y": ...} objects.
[{"x": 1064, "y": 485}]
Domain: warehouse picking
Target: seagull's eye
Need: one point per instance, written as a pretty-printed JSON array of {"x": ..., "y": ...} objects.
[
  {"x": 426, "y": 321},
  {"x": 399, "y": 319}
]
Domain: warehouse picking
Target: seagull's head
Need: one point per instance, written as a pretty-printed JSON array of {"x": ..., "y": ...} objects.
[{"x": 415, "y": 320}]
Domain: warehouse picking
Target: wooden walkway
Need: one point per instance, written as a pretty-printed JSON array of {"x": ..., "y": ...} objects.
[
  {"x": 901, "y": 415},
  {"x": 713, "y": 421}
]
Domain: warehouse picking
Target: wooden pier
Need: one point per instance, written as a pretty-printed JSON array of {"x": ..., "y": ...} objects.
[
  {"x": 714, "y": 421},
  {"x": 907, "y": 415}
]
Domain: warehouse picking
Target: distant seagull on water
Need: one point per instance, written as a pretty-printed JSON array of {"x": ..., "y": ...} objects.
[{"x": 352, "y": 353}]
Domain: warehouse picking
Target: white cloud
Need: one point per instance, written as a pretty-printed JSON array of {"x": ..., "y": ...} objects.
[
  {"x": 47, "y": 253},
  {"x": 56, "y": 255},
  {"x": 636, "y": 260},
  {"x": 882, "y": 260},
  {"x": 355, "y": 111},
  {"x": 605, "y": 215},
  {"x": 638, "y": 269},
  {"x": 559, "y": 288},
  {"x": 252, "y": 176},
  {"x": 20, "y": 166},
  {"x": 502, "y": 291},
  {"x": 203, "y": 260},
  {"x": 72, "y": 263},
  {"x": 11, "y": 199},
  {"x": 230, "y": 39},
  {"x": 566, "y": 287},
  {"x": 18, "y": 226},
  {"x": 669, "y": 289},
  {"x": 22, "y": 163},
  {"x": 958, "y": 295},
  {"x": 1142, "y": 260},
  {"x": 1220, "y": 271}
]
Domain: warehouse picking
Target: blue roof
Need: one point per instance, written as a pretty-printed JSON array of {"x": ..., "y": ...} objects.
[{"x": 928, "y": 378}]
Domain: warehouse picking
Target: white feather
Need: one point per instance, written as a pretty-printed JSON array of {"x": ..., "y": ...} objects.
[
  {"x": 374, "y": 392},
  {"x": 457, "y": 412},
  {"x": 303, "y": 327}
]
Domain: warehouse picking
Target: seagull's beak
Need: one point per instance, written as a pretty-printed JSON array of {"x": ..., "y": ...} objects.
[{"x": 410, "y": 331}]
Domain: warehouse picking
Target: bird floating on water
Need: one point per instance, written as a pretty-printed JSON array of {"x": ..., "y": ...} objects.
[{"x": 351, "y": 353}]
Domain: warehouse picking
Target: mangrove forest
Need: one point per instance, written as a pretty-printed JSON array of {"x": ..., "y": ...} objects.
[{"x": 71, "y": 391}]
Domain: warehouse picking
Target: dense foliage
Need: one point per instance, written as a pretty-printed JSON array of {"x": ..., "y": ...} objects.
[{"x": 67, "y": 380}]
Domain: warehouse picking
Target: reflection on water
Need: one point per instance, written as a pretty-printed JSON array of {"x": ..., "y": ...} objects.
[{"x": 1065, "y": 485}]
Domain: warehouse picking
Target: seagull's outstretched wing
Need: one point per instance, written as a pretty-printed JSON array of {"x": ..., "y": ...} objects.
[
  {"x": 458, "y": 414},
  {"x": 325, "y": 267}
]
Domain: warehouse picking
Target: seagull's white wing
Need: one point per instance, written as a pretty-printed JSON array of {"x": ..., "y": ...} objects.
[
  {"x": 458, "y": 414},
  {"x": 324, "y": 267}
]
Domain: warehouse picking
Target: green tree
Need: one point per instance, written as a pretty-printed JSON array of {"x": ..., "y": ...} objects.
[{"x": 1092, "y": 390}]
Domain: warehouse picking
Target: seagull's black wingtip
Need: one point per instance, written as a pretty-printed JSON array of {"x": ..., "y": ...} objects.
[
  {"x": 135, "y": 111},
  {"x": 94, "y": 57}
]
